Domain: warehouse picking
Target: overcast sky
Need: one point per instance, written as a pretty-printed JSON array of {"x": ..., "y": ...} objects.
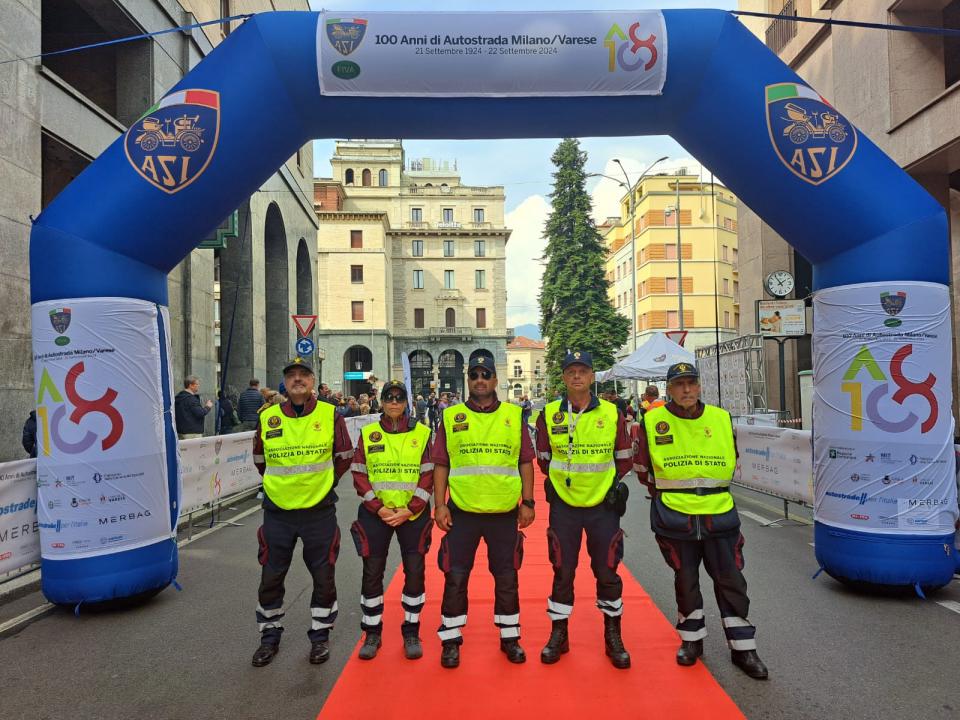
[{"x": 523, "y": 167}]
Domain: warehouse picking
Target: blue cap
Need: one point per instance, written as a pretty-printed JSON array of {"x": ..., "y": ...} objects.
[
  {"x": 297, "y": 363},
  {"x": 681, "y": 370},
  {"x": 577, "y": 357},
  {"x": 482, "y": 359}
]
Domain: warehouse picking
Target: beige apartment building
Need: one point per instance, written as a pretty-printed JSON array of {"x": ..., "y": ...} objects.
[
  {"x": 901, "y": 89},
  {"x": 411, "y": 263},
  {"x": 526, "y": 368}
]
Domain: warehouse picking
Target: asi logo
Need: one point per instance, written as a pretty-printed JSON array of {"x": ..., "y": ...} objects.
[
  {"x": 174, "y": 141},
  {"x": 346, "y": 34},
  {"x": 812, "y": 139},
  {"x": 620, "y": 43},
  {"x": 60, "y": 319},
  {"x": 892, "y": 304}
]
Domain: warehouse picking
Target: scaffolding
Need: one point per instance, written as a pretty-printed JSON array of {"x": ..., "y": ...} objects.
[{"x": 741, "y": 379}]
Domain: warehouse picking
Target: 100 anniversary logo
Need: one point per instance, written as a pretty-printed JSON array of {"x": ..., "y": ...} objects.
[{"x": 345, "y": 35}]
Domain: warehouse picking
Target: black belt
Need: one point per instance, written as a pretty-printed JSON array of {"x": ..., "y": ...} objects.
[{"x": 698, "y": 491}]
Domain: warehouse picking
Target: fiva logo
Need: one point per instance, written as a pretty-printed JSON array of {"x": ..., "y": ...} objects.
[
  {"x": 52, "y": 411},
  {"x": 864, "y": 360}
]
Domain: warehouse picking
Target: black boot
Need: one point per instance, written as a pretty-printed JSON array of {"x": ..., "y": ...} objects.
[
  {"x": 750, "y": 663},
  {"x": 412, "y": 647},
  {"x": 368, "y": 651},
  {"x": 557, "y": 645},
  {"x": 319, "y": 652},
  {"x": 611, "y": 637},
  {"x": 511, "y": 648},
  {"x": 689, "y": 651},
  {"x": 264, "y": 654},
  {"x": 450, "y": 656}
]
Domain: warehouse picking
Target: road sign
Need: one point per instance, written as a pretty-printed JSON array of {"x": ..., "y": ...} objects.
[
  {"x": 678, "y": 336},
  {"x": 305, "y": 347},
  {"x": 304, "y": 323}
]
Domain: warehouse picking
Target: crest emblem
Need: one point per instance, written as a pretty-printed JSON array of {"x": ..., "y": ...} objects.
[
  {"x": 218, "y": 445},
  {"x": 376, "y": 436},
  {"x": 460, "y": 417},
  {"x": 60, "y": 319},
  {"x": 273, "y": 421},
  {"x": 346, "y": 34},
  {"x": 507, "y": 423},
  {"x": 600, "y": 424},
  {"x": 558, "y": 417},
  {"x": 414, "y": 442},
  {"x": 708, "y": 432},
  {"x": 317, "y": 425},
  {"x": 812, "y": 139},
  {"x": 892, "y": 304},
  {"x": 662, "y": 428},
  {"x": 172, "y": 144}
]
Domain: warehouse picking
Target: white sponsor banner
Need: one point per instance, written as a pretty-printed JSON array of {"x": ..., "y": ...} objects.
[
  {"x": 474, "y": 54},
  {"x": 216, "y": 467},
  {"x": 776, "y": 461},
  {"x": 883, "y": 442},
  {"x": 19, "y": 531},
  {"x": 102, "y": 465},
  {"x": 355, "y": 423},
  {"x": 782, "y": 318}
]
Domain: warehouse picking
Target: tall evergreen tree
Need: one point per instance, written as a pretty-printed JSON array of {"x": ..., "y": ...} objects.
[{"x": 575, "y": 311}]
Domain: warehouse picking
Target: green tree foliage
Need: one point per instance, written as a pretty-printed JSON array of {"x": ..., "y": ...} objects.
[{"x": 575, "y": 311}]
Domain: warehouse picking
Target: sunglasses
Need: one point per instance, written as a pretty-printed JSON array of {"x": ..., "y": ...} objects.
[
  {"x": 477, "y": 374},
  {"x": 394, "y": 398}
]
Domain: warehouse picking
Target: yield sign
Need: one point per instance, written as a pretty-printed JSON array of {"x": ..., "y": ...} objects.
[
  {"x": 304, "y": 323},
  {"x": 678, "y": 336}
]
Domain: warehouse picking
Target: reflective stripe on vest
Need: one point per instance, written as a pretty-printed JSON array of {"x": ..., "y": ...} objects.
[
  {"x": 393, "y": 462},
  {"x": 484, "y": 450},
  {"x": 299, "y": 456},
  {"x": 584, "y": 479},
  {"x": 686, "y": 454}
]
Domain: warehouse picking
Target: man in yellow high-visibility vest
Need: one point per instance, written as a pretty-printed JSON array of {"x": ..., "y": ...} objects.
[
  {"x": 690, "y": 450},
  {"x": 301, "y": 448},
  {"x": 484, "y": 456}
]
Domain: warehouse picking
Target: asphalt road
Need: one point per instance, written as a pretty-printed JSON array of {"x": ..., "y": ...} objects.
[{"x": 832, "y": 653}]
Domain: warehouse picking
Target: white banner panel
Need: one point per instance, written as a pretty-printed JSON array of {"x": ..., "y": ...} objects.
[
  {"x": 474, "y": 54},
  {"x": 882, "y": 420},
  {"x": 19, "y": 538},
  {"x": 776, "y": 461},
  {"x": 216, "y": 467},
  {"x": 101, "y": 466}
]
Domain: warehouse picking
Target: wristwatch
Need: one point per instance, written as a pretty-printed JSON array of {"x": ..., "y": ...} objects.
[{"x": 528, "y": 502}]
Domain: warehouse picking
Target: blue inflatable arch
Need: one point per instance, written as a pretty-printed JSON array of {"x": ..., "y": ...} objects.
[{"x": 113, "y": 234}]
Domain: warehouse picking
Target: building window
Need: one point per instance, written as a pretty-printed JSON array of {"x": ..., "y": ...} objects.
[
  {"x": 618, "y": 273},
  {"x": 356, "y": 239},
  {"x": 670, "y": 251},
  {"x": 479, "y": 248},
  {"x": 448, "y": 215},
  {"x": 382, "y": 180},
  {"x": 951, "y": 44},
  {"x": 726, "y": 286},
  {"x": 671, "y": 285},
  {"x": 726, "y": 319},
  {"x": 517, "y": 370},
  {"x": 481, "y": 317},
  {"x": 418, "y": 279},
  {"x": 480, "y": 279},
  {"x": 356, "y": 310},
  {"x": 356, "y": 273},
  {"x": 536, "y": 370},
  {"x": 367, "y": 177},
  {"x": 724, "y": 253},
  {"x": 417, "y": 248},
  {"x": 448, "y": 282},
  {"x": 348, "y": 177},
  {"x": 418, "y": 317},
  {"x": 672, "y": 319},
  {"x": 416, "y": 215},
  {"x": 450, "y": 318},
  {"x": 734, "y": 258},
  {"x": 478, "y": 215},
  {"x": 448, "y": 248}
]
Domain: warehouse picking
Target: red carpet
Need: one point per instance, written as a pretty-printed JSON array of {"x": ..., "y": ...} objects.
[{"x": 582, "y": 685}]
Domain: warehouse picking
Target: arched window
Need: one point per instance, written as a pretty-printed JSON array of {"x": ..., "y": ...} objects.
[
  {"x": 383, "y": 178},
  {"x": 451, "y": 317},
  {"x": 366, "y": 177},
  {"x": 517, "y": 390},
  {"x": 348, "y": 177}
]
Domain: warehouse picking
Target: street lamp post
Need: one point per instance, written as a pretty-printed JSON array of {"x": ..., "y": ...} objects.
[{"x": 676, "y": 216}]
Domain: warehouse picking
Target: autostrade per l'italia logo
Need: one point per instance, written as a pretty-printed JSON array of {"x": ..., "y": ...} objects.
[{"x": 345, "y": 35}]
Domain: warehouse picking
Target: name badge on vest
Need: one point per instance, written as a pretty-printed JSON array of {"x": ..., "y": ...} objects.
[
  {"x": 460, "y": 427},
  {"x": 558, "y": 430},
  {"x": 376, "y": 449},
  {"x": 664, "y": 439},
  {"x": 273, "y": 433}
]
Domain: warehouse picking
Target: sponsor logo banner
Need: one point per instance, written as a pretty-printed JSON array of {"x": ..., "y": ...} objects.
[
  {"x": 882, "y": 412},
  {"x": 472, "y": 54},
  {"x": 19, "y": 529}
]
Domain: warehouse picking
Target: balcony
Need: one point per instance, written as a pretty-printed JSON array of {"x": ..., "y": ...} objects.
[
  {"x": 782, "y": 30},
  {"x": 416, "y": 225},
  {"x": 450, "y": 225}
]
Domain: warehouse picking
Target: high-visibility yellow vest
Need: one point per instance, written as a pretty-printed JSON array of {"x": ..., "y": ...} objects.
[
  {"x": 688, "y": 454},
  {"x": 299, "y": 456},
  {"x": 484, "y": 450},
  {"x": 584, "y": 479},
  {"x": 393, "y": 463}
]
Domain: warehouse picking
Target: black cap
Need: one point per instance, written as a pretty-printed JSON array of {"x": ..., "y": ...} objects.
[
  {"x": 394, "y": 385},
  {"x": 577, "y": 357},
  {"x": 482, "y": 359},
  {"x": 681, "y": 370},
  {"x": 298, "y": 363}
]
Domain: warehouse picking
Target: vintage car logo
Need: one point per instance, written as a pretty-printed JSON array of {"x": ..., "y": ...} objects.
[
  {"x": 172, "y": 144},
  {"x": 812, "y": 139},
  {"x": 273, "y": 421},
  {"x": 662, "y": 427},
  {"x": 346, "y": 34}
]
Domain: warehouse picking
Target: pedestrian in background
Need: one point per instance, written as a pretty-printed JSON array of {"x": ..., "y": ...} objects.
[
  {"x": 189, "y": 410},
  {"x": 228, "y": 415},
  {"x": 248, "y": 405},
  {"x": 29, "y": 435}
]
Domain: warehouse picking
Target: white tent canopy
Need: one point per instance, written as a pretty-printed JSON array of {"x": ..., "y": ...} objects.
[{"x": 650, "y": 361}]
